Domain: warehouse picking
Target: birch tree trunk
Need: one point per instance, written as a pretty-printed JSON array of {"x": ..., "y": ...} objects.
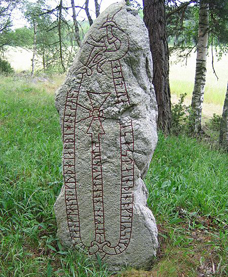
[
  {"x": 223, "y": 139},
  {"x": 201, "y": 67},
  {"x": 155, "y": 20},
  {"x": 76, "y": 29},
  {"x": 34, "y": 47}
]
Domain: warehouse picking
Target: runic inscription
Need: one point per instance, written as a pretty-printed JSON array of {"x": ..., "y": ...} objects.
[
  {"x": 108, "y": 112},
  {"x": 106, "y": 51}
]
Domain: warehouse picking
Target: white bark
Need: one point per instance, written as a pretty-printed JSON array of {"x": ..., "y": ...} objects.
[
  {"x": 201, "y": 67},
  {"x": 34, "y": 47}
]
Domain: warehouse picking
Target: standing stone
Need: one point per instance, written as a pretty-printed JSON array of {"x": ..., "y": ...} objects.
[{"x": 108, "y": 117}]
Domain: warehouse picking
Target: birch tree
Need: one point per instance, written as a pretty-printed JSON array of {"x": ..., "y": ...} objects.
[
  {"x": 32, "y": 9},
  {"x": 201, "y": 67},
  {"x": 34, "y": 46}
]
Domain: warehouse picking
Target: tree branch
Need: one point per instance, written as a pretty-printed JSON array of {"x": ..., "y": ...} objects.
[
  {"x": 184, "y": 5},
  {"x": 212, "y": 61}
]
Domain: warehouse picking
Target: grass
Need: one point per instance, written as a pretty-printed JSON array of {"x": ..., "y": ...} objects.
[
  {"x": 182, "y": 78},
  {"x": 30, "y": 181},
  {"x": 187, "y": 183},
  {"x": 188, "y": 176},
  {"x": 213, "y": 94}
]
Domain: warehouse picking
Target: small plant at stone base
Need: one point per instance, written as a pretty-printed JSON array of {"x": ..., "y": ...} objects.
[
  {"x": 180, "y": 116},
  {"x": 5, "y": 67}
]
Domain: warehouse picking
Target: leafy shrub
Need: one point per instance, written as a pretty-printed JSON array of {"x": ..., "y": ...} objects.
[
  {"x": 180, "y": 116},
  {"x": 214, "y": 122},
  {"x": 5, "y": 67}
]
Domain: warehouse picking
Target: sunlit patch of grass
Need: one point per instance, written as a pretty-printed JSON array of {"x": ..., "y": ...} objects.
[
  {"x": 182, "y": 76},
  {"x": 179, "y": 87},
  {"x": 213, "y": 94}
]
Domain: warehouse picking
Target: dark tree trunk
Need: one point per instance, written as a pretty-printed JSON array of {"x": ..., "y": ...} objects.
[
  {"x": 88, "y": 13},
  {"x": 223, "y": 139},
  {"x": 97, "y": 8},
  {"x": 155, "y": 20},
  {"x": 76, "y": 29},
  {"x": 60, "y": 35}
]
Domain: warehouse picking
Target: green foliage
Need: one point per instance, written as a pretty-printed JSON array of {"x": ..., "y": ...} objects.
[
  {"x": 219, "y": 22},
  {"x": 182, "y": 25},
  {"x": 180, "y": 115},
  {"x": 22, "y": 37},
  {"x": 6, "y": 8},
  {"x": 5, "y": 67},
  {"x": 182, "y": 28},
  {"x": 215, "y": 122}
]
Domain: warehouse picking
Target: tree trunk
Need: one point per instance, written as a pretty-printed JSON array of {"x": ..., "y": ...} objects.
[
  {"x": 88, "y": 13},
  {"x": 155, "y": 20},
  {"x": 201, "y": 67},
  {"x": 60, "y": 35},
  {"x": 34, "y": 47},
  {"x": 223, "y": 139},
  {"x": 43, "y": 60},
  {"x": 97, "y": 8},
  {"x": 76, "y": 29}
]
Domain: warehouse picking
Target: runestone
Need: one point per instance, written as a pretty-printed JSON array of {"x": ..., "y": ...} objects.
[{"x": 108, "y": 116}]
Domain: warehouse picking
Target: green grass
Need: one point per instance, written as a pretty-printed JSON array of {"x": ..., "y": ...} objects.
[
  {"x": 182, "y": 75},
  {"x": 213, "y": 94},
  {"x": 187, "y": 174},
  {"x": 30, "y": 180},
  {"x": 187, "y": 183}
]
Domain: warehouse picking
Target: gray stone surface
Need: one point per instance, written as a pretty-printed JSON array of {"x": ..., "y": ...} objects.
[{"x": 108, "y": 118}]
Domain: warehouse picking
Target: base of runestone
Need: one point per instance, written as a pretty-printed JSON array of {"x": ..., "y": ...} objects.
[{"x": 108, "y": 116}]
